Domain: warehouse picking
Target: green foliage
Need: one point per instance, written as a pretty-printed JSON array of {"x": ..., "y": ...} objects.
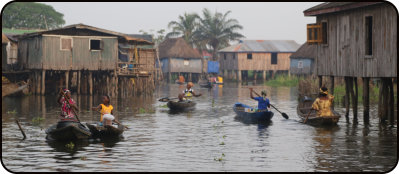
[
  {"x": 37, "y": 120},
  {"x": 12, "y": 112},
  {"x": 70, "y": 145},
  {"x": 31, "y": 15},
  {"x": 184, "y": 27},
  {"x": 17, "y": 31},
  {"x": 339, "y": 92},
  {"x": 283, "y": 80},
  {"x": 157, "y": 37},
  {"x": 164, "y": 106},
  {"x": 222, "y": 143},
  {"x": 143, "y": 110}
]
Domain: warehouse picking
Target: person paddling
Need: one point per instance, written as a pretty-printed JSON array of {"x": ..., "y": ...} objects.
[
  {"x": 106, "y": 110},
  {"x": 323, "y": 103},
  {"x": 67, "y": 106},
  {"x": 263, "y": 102},
  {"x": 188, "y": 93}
]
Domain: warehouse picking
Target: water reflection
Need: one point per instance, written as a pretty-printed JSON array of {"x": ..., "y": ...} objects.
[{"x": 189, "y": 141}]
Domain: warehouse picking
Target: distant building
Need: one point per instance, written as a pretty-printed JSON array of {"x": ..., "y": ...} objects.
[
  {"x": 302, "y": 61},
  {"x": 178, "y": 57},
  {"x": 256, "y": 55}
]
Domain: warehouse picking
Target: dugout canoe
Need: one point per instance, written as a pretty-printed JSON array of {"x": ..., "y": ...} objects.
[
  {"x": 249, "y": 114},
  {"x": 303, "y": 109},
  {"x": 67, "y": 130}
]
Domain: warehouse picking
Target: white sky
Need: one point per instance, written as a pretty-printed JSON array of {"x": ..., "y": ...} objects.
[{"x": 261, "y": 20}]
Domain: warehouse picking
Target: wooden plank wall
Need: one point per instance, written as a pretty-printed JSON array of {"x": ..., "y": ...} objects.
[
  {"x": 229, "y": 63},
  {"x": 30, "y": 54},
  {"x": 344, "y": 55},
  {"x": 177, "y": 65},
  {"x": 262, "y": 62}
]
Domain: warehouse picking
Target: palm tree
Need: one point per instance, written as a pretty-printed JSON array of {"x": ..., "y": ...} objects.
[
  {"x": 185, "y": 27},
  {"x": 216, "y": 31}
]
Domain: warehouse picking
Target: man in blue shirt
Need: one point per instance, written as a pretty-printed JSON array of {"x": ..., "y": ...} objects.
[{"x": 263, "y": 102}]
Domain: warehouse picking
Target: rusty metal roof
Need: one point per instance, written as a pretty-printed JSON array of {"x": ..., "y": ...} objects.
[
  {"x": 123, "y": 37},
  {"x": 330, "y": 7},
  {"x": 4, "y": 38},
  {"x": 263, "y": 46}
]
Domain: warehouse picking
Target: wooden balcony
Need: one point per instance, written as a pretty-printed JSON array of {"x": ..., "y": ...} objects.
[{"x": 134, "y": 69}]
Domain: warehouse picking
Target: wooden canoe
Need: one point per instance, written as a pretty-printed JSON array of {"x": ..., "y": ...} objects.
[
  {"x": 251, "y": 115},
  {"x": 303, "y": 109},
  {"x": 181, "y": 105},
  {"x": 206, "y": 85},
  {"x": 107, "y": 131},
  {"x": 67, "y": 130}
]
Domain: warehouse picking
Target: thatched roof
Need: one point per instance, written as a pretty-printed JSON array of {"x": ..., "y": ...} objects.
[
  {"x": 306, "y": 51},
  {"x": 4, "y": 38},
  {"x": 177, "y": 48}
]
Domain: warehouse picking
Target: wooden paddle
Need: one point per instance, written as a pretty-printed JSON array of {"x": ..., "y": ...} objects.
[
  {"x": 307, "y": 116},
  {"x": 282, "y": 113},
  {"x": 166, "y": 99}
]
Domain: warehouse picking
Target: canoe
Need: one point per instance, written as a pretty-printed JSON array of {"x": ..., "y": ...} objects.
[
  {"x": 107, "y": 131},
  {"x": 181, "y": 105},
  {"x": 207, "y": 85},
  {"x": 249, "y": 114},
  {"x": 303, "y": 108},
  {"x": 67, "y": 130}
]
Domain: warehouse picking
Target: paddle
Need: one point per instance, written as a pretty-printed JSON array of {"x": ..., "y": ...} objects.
[
  {"x": 282, "y": 114},
  {"x": 307, "y": 116},
  {"x": 166, "y": 99}
]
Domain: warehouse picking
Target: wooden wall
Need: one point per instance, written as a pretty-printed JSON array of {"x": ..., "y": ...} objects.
[
  {"x": 3, "y": 57},
  {"x": 45, "y": 53},
  {"x": 259, "y": 61},
  {"x": 344, "y": 54},
  {"x": 229, "y": 63}
]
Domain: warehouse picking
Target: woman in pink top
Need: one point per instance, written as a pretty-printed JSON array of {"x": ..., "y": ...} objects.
[{"x": 67, "y": 114}]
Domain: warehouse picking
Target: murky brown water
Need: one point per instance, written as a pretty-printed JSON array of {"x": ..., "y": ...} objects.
[{"x": 193, "y": 141}]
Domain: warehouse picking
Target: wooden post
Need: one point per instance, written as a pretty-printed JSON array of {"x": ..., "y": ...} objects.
[
  {"x": 332, "y": 89},
  {"x": 20, "y": 128},
  {"x": 38, "y": 82},
  {"x": 347, "y": 97},
  {"x": 381, "y": 87},
  {"x": 190, "y": 77},
  {"x": 239, "y": 76},
  {"x": 320, "y": 81},
  {"x": 391, "y": 101},
  {"x": 169, "y": 77},
  {"x": 90, "y": 83},
  {"x": 264, "y": 75},
  {"x": 79, "y": 80},
  {"x": 255, "y": 75},
  {"x": 355, "y": 100},
  {"x": 366, "y": 100},
  {"x": 66, "y": 79}
]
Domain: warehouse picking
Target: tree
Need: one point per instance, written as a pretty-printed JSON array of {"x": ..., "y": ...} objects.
[
  {"x": 216, "y": 31},
  {"x": 31, "y": 15},
  {"x": 184, "y": 27},
  {"x": 158, "y": 38}
]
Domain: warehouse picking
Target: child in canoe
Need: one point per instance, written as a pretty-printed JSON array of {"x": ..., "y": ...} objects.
[
  {"x": 188, "y": 93},
  {"x": 106, "y": 110}
]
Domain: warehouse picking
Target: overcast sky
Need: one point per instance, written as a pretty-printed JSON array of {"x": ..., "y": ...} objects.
[{"x": 261, "y": 20}]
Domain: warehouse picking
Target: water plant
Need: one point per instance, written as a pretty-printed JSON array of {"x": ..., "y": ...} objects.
[
  {"x": 164, "y": 106},
  {"x": 222, "y": 143},
  {"x": 37, "y": 120},
  {"x": 70, "y": 145},
  {"x": 83, "y": 158},
  {"x": 12, "y": 112}
]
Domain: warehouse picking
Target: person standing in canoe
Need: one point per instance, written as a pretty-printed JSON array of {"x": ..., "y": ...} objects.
[
  {"x": 106, "y": 110},
  {"x": 67, "y": 106},
  {"x": 188, "y": 93},
  {"x": 323, "y": 103},
  {"x": 263, "y": 102}
]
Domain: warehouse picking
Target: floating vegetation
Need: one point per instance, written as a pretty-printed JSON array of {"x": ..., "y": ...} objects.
[
  {"x": 37, "y": 120},
  {"x": 70, "y": 145},
  {"x": 83, "y": 158},
  {"x": 12, "y": 112},
  {"x": 224, "y": 136},
  {"x": 222, "y": 143},
  {"x": 164, "y": 106},
  {"x": 219, "y": 158},
  {"x": 149, "y": 110}
]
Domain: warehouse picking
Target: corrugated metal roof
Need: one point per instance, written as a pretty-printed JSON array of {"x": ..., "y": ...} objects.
[
  {"x": 307, "y": 51},
  {"x": 263, "y": 46},
  {"x": 330, "y": 7},
  {"x": 126, "y": 38}
]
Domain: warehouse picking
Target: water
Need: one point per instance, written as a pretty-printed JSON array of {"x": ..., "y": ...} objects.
[{"x": 206, "y": 139}]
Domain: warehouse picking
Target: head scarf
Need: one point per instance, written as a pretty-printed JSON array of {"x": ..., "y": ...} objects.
[
  {"x": 190, "y": 83},
  {"x": 324, "y": 92}
]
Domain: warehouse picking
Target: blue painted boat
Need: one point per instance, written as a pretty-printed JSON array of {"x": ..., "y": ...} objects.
[{"x": 249, "y": 114}]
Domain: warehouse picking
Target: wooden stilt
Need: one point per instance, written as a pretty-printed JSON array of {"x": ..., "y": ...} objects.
[
  {"x": 347, "y": 97},
  {"x": 332, "y": 89},
  {"x": 320, "y": 81},
  {"x": 264, "y": 75},
  {"x": 38, "y": 82},
  {"x": 381, "y": 87},
  {"x": 90, "y": 83},
  {"x": 43, "y": 82},
  {"x": 66, "y": 79},
  {"x": 391, "y": 101},
  {"x": 239, "y": 75},
  {"x": 78, "y": 81},
  {"x": 190, "y": 77},
  {"x": 255, "y": 75},
  {"x": 366, "y": 100},
  {"x": 355, "y": 100}
]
